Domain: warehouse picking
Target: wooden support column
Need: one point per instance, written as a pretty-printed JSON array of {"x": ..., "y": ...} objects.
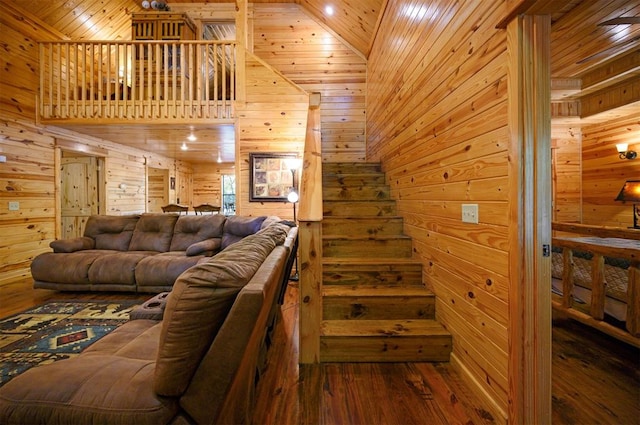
[
  {"x": 530, "y": 227},
  {"x": 310, "y": 238}
]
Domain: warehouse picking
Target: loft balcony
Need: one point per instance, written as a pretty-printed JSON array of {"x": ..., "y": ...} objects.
[{"x": 138, "y": 82}]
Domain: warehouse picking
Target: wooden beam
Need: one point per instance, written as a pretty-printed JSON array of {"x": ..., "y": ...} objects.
[
  {"x": 623, "y": 68},
  {"x": 622, "y": 94}
]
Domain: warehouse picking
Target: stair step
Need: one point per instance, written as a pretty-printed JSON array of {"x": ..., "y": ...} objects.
[
  {"x": 368, "y": 271},
  {"x": 370, "y": 226},
  {"x": 365, "y": 193},
  {"x": 350, "y": 167},
  {"x": 359, "y": 208},
  {"x": 340, "y": 302},
  {"x": 353, "y": 180},
  {"x": 380, "y": 246},
  {"x": 384, "y": 341}
]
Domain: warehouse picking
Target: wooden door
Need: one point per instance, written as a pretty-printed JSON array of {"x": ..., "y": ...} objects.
[
  {"x": 158, "y": 189},
  {"x": 80, "y": 193}
]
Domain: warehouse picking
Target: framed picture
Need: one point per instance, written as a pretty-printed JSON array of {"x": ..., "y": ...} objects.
[{"x": 270, "y": 179}]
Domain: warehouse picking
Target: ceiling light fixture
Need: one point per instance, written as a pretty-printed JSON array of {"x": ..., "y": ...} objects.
[
  {"x": 329, "y": 10},
  {"x": 219, "y": 158},
  {"x": 184, "y": 146},
  {"x": 191, "y": 137}
]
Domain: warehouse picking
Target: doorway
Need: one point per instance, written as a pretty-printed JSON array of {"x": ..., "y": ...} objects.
[
  {"x": 80, "y": 190},
  {"x": 157, "y": 189}
]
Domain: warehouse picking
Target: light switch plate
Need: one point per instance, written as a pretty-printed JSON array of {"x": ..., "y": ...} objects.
[{"x": 470, "y": 213}]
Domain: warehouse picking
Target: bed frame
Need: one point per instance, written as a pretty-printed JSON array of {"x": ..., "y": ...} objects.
[{"x": 600, "y": 242}]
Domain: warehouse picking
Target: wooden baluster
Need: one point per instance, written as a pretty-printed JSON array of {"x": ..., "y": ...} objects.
[
  {"x": 597, "y": 287},
  {"x": 567, "y": 277},
  {"x": 633, "y": 300}
]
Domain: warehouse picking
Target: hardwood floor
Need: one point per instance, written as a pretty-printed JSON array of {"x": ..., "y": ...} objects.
[{"x": 596, "y": 379}]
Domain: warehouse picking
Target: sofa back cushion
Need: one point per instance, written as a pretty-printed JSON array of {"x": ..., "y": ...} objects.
[
  {"x": 198, "y": 305},
  {"x": 191, "y": 229},
  {"x": 111, "y": 231},
  {"x": 153, "y": 232},
  {"x": 238, "y": 227}
]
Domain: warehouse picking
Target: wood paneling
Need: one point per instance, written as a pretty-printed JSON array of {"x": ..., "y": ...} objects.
[
  {"x": 436, "y": 118},
  {"x": 566, "y": 157},
  {"x": 289, "y": 40},
  {"x": 207, "y": 182},
  {"x": 274, "y": 119},
  {"x": 603, "y": 173}
]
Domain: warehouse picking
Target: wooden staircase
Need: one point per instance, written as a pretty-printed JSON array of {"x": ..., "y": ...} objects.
[{"x": 375, "y": 306}]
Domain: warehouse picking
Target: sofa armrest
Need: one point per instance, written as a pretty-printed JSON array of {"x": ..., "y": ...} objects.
[
  {"x": 73, "y": 244},
  {"x": 208, "y": 247}
]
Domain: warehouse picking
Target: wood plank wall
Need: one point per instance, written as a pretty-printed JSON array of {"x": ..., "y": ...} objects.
[
  {"x": 274, "y": 119},
  {"x": 437, "y": 119},
  {"x": 566, "y": 145},
  {"x": 603, "y": 173},
  {"x": 28, "y": 176},
  {"x": 207, "y": 182},
  {"x": 293, "y": 43}
]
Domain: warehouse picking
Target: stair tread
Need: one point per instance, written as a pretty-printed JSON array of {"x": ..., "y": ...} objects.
[
  {"x": 378, "y": 328},
  {"x": 375, "y": 291}
]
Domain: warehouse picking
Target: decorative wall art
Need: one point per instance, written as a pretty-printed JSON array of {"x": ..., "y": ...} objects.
[{"x": 270, "y": 179}]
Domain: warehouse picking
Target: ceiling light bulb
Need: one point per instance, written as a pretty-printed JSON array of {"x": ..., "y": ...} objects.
[
  {"x": 328, "y": 10},
  {"x": 184, "y": 146},
  {"x": 192, "y": 138}
]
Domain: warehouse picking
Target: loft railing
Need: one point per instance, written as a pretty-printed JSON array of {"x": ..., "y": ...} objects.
[{"x": 138, "y": 80}]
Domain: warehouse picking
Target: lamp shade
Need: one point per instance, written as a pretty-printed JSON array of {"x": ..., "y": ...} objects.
[
  {"x": 630, "y": 191},
  {"x": 622, "y": 147}
]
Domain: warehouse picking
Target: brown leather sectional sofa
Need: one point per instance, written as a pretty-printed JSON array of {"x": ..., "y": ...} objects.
[
  {"x": 137, "y": 253},
  {"x": 198, "y": 365}
]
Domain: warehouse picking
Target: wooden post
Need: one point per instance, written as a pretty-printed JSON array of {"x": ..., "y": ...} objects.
[
  {"x": 567, "y": 277},
  {"x": 310, "y": 236},
  {"x": 530, "y": 227},
  {"x": 597, "y": 287},
  {"x": 633, "y": 300}
]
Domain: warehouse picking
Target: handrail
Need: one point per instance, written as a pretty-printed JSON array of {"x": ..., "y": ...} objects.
[
  {"x": 310, "y": 238},
  {"x": 600, "y": 231},
  {"x": 133, "y": 80},
  {"x": 601, "y": 247}
]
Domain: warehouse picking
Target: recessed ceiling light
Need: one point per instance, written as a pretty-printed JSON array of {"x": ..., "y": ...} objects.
[{"x": 328, "y": 10}]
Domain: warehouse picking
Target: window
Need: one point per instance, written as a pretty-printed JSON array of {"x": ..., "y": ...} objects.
[{"x": 228, "y": 194}]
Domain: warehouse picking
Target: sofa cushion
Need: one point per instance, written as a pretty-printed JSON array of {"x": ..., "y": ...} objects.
[
  {"x": 65, "y": 268},
  {"x": 238, "y": 227},
  {"x": 190, "y": 229},
  {"x": 111, "y": 232},
  {"x": 162, "y": 270},
  {"x": 153, "y": 232},
  {"x": 117, "y": 268},
  {"x": 88, "y": 389},
  {"x": 73, "y": 244},
  {"x": 198, "y": 305}
]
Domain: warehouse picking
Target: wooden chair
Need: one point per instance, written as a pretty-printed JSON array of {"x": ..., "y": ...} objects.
[
  {"x": 206, "y": 208},
  {"x": 171, "y": 208}
]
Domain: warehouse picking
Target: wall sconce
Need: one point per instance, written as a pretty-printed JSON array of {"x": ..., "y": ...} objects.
[
  {"x": 623, "y": 153},
  {"x": 631, "y": 192}
]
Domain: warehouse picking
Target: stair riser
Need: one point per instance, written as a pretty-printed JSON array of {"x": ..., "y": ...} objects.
[
  {"x": 367, "y": 248},
  {"x": 350, "y": 168},
  {"x": 336, "y": 276},
  {"x": 351, "y": 209},
  {"x": 385, "y": 349},
  {"x": 363, "y": 226},
  {"x": 353, "y": 180},
  {"x": 374, "y": 193},
  {"x": 378, "y": 308}
]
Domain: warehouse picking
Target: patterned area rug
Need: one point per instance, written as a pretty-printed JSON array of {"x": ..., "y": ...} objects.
[{"x": 55, "y": 331}]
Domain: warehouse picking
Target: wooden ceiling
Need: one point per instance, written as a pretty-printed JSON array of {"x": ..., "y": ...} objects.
[{"x": 580, "y": 42}]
